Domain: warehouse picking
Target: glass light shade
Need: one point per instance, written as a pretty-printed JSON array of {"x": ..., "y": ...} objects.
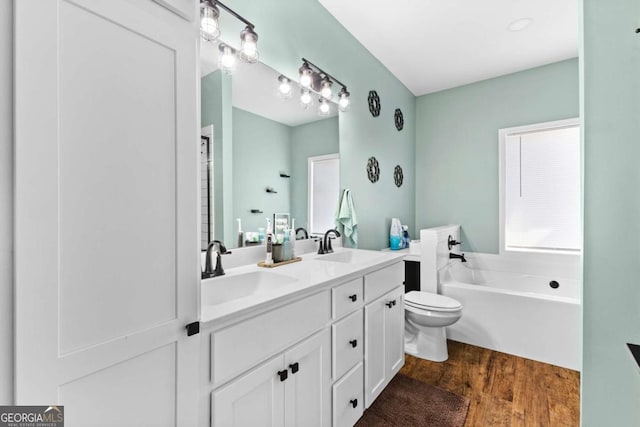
[
  {"x": 249, "y": 45},
  {"x": 305, "y": 75},
  {"x": 305, "y": 98},
  {"x": 343, "y": 102},
  {"x": 284, "y": 88},
  {"x": 227, "y": 59},
  {"x": 209, "y": 28},
  {"x": 326, "y": 89},
  {"x": 324, "y": 108}
]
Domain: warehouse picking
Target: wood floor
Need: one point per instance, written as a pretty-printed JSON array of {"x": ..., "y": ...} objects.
[{"x": 504, "y": 390}]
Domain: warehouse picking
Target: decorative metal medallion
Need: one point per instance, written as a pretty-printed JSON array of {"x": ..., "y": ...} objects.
[
  {"x": 398, "y": 177},
  {"x": 374, "y": 103},
  {"x": 399, "y": 119},
  {"x": 373, "y": 169}
]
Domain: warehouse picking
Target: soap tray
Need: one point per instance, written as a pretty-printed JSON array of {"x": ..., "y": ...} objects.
[{"x": 278, "y": 264}]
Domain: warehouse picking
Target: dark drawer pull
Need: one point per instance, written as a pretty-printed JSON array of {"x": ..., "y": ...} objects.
[
  {"x": 353, "y": 297},
  {"x": 294, "y": 367},
  {"x": 354, "y": 402},
  {"x": 354, "y": 343},
  {"x": 283, "y": 375}
]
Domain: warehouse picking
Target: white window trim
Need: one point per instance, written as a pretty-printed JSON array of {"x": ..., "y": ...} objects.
[
  {"x": 310, "y": 161},
  {"x": 519, "y": 130}
]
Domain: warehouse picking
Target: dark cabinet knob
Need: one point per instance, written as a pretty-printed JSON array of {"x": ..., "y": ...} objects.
[
  {"x": 354, "y": 343},
  {"x": 354, "y": 402},
  {"x": 294, "y": 367},
  {"x": 283, "y": 375},
  {"x": 353, "y": 297},
  {"x": 389, "y": 304}
]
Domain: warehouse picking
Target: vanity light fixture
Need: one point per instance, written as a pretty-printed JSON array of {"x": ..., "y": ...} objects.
[
  {"x": 319, "y": 81},
  {"x": 284, "y": 87},
  {"x": 227, "y": 58},
  {"x": 210, "y": 29}
]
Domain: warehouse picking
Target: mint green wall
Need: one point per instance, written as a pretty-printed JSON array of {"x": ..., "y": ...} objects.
[
  {"x": 261, "y": 150},
  {"x": 611, "y": 290},
  {"x": 215, "y": 102},
  {"x": 457, "y": 144},
  {"x": 312, "y": 139},
  {"x": 293, "y": 29}
]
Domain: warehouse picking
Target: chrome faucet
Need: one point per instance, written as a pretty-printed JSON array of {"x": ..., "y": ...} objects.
[
  {"x": 456, "y": 256},
  {"x": 218, "y": 247},
  {"x": 327, "y": 249},
  {"x": 306, "y": 234}
]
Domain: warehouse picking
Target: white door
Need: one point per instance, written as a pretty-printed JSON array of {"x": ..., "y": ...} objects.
[
  {"x": 106, "y": 203},
  {"x": 394, "y": 333},
  {"x": 374, "y": 350},
  {"x": 255, "y": 399},
  {"x": 308, "y": 388}
]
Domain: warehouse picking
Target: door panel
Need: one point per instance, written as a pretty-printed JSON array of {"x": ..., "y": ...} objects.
[
  {"x": 255, "y": 399},
  {"x": 308, "y": 390},
  {"x": 374, "y": 352},
  {"x": 107, "y": 256},
  {"x": 395, "y": 333}
]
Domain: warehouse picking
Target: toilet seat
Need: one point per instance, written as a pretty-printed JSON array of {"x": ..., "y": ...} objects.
[{"x": 430, "y": 301}]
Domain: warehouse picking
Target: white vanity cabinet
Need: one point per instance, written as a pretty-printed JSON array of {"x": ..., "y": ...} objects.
[
  {"x": 318, "y": 360},
  {"x": 383, "y": 329}
]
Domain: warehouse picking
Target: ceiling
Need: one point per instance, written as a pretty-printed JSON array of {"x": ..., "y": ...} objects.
[
  {"x": 254, "y": 89},
  {"x": 432, "y": 45}
]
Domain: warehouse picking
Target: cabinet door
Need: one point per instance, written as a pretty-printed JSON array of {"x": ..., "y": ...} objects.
[
  {"x": 308, "y": 388},
  {"x": 394, "y": 333},
  {"x": 384, "y": 342},
  {"x": 374, "y": 351},
  {"x": 106, "y": 186},
  {"x": 255, "y": 399}
]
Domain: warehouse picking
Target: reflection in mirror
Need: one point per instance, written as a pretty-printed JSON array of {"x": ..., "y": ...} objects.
[{"x": 260, "y": 146}]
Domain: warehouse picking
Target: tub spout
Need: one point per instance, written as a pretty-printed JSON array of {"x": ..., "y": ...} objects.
[{"x": 456, "y": 256}]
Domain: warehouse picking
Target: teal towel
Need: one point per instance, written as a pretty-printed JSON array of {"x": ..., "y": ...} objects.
[{"x": 346, "y": 219}]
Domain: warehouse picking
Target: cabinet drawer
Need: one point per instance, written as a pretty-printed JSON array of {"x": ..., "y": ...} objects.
[
  {"x": 382, "y": 281},
  {"x": 241, "y": 346},
  {"x": 348, "y": 343},
  {"x": 347, "y": 298},
  {"x": 348, "y": 398}
]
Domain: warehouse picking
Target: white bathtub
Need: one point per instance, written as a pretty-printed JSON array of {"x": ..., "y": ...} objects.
[{"x": 515, "y": 313}]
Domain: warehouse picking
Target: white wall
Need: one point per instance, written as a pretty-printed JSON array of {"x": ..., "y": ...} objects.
[{"x": 6, "y": 202}]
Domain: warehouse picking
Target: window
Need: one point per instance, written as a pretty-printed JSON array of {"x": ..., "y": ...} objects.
[
  {"x": 324, "y": 190},
  {"x": 540, "y": 187}
]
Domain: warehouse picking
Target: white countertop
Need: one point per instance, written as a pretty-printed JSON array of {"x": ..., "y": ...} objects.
[{"x": 312, "y": 274}]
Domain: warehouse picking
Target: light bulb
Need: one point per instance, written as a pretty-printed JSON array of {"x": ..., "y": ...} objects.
[
  {"x": 305, "y": 75},
  {"x": 227, "y": 61},
  {"x": 323, "y": 107},
  {"x": 249, "y": 45},
  {"x": 343, "y": 102},
  {"x": 305, "y": 98},
  {"x": 284, "y": 88},
  {"x": 209, "y": 29},
  {"x": 326, "y": 89}
]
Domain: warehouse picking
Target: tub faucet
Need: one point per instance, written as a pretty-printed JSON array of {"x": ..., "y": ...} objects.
[
  {"x": 306, "y": 234},
  {"x": 456, "y": 256},
  {"x": 327, "y": 249},
  {"x": 218, "y": 247}
]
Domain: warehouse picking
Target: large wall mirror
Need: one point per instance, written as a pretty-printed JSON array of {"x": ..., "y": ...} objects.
[{"x": 256, "y": 148}]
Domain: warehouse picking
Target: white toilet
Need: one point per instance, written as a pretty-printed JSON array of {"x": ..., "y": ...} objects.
[
  {"x": 426, "y": 316},
  {"x": 427, "y": 313}
]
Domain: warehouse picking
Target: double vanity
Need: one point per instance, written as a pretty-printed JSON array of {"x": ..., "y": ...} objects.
[{"x": 311, "y": 343}]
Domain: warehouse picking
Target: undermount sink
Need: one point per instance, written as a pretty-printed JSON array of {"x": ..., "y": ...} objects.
[
  {"x": 218, "y": 290},
  {"x": 350, "y": 257}
]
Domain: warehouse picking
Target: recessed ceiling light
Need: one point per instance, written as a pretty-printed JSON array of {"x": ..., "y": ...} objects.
[{"x": 520, "y": 24}]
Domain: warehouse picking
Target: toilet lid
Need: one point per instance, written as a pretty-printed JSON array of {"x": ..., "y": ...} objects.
[{"x": 428, "y": 300}]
